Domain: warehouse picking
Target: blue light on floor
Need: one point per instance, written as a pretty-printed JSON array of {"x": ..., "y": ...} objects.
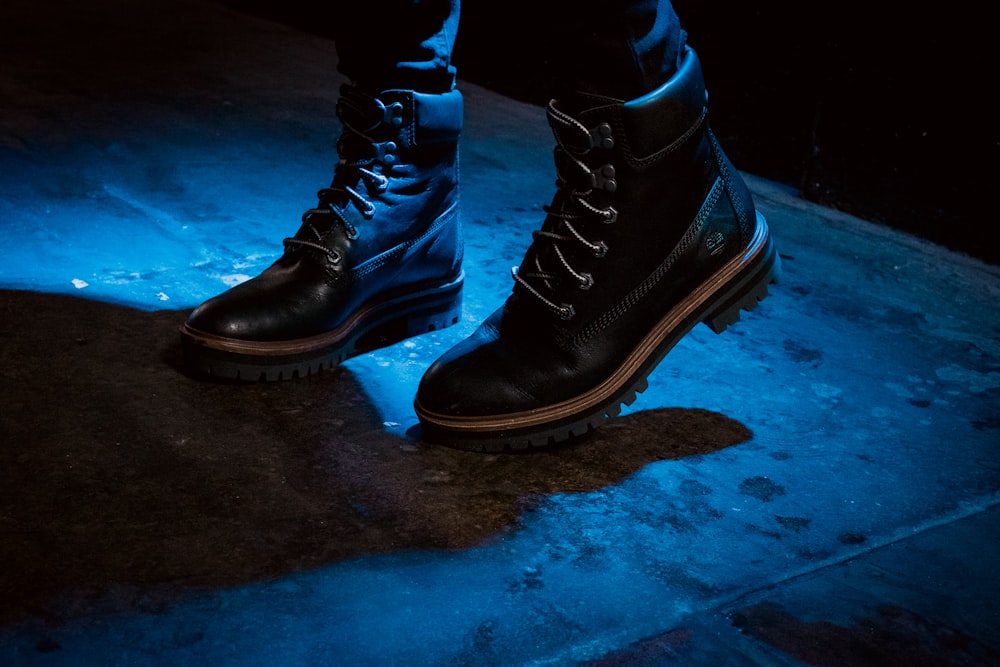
[{"x": 868, "y": 383}]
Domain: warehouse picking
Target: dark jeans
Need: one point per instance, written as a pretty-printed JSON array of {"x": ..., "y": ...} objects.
[{"x": 617, "y": 48}]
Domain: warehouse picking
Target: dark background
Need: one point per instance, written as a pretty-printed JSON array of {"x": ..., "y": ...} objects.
[{"x": 882, "y": 113}]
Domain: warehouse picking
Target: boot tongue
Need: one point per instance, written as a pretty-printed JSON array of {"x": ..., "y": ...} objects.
[{"x": 570, "y": 234}]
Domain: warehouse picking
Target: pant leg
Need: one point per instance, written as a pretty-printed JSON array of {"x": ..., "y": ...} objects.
[
  {"x": 616, "y": 48},
  {"x": 405, "y": 44}
]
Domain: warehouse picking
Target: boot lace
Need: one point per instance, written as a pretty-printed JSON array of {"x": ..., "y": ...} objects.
[
  {"x": 358, "y": 175},
  {"x": 583, "y": 195}
]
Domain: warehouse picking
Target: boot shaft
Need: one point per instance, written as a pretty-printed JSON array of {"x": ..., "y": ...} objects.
[
  {"x": 396, "y": 176},
  {"x": 642, "y": 184}
]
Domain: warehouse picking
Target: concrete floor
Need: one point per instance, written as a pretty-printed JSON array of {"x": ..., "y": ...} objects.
[{"x": 819, "y": 485}]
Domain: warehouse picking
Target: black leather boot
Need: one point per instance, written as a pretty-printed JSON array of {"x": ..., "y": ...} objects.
[
  {"x": 651, "y": 231},
  {"x": 378, "y": 259}
]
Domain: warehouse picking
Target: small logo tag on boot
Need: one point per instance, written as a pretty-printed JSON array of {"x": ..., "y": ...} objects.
[{"x": 715, "y": 243}]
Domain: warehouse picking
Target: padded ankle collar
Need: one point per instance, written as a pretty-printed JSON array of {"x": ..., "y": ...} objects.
[
  {"x": 409, "y": 117},
  {"x": 653, "y": 123}
]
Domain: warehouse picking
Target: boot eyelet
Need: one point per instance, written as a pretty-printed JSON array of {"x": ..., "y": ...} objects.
[
  {"x": 586, "y": 281},
  {"x": 393, "y": 114},
  {"x": 385, "y": 152},
  {"x": 603, "y": 178},
  {"x": 566, "y": 311},
  {"x": 600, "y": 137},
  {"x": 601, "y": 250},
  {"x": 610, "y": 215},
  {"x": 333, "y": 257}
]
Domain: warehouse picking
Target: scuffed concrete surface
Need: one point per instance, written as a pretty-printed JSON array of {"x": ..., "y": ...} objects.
[{"x": 825, "y": 473}]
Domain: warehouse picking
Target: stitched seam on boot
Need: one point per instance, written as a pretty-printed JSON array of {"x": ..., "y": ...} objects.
[
  {"x": 376, "y": 262},
  {"x": 643, "y": 288},
  {"x": 742, "y": 208},
  {"x": 633, "y": 159}
]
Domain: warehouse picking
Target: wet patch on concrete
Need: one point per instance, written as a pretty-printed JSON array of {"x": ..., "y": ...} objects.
[
  {"x": 794, "y": 524},
  {"x": 761, "y": 488},
  {"x": 669, "y": 647},
  {"x": 129, "y": 483},
  {"x": 802, "y": 354},
  {"x": 692, "y": 487},
  {"x": 888, "y": 635}
]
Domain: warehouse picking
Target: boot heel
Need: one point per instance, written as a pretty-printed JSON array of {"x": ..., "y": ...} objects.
[
  {"x": 730, "y": 314},
  {"x": 747, "y": 293},
  {"x": 439, "y": 318},
  {"x": 434, "y": 310}
]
